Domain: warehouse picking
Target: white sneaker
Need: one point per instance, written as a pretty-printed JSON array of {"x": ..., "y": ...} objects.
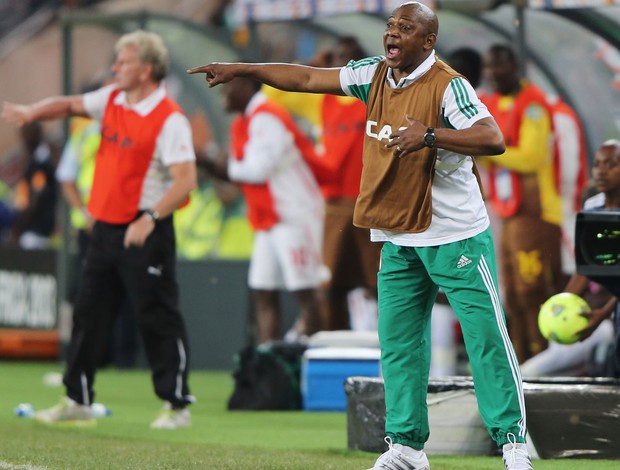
[
  {"x": 67, "y": 413},
  {"x": 516, "y": 455},
  {"x": 400, "y": 457},
  {"x": 170, "y": 418}
]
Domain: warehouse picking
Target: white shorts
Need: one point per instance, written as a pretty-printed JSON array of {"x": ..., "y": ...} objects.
[{"x": 287, "y": 256}]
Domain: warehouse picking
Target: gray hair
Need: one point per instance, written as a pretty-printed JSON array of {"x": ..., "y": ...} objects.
[{"x": 151, "y": 50}]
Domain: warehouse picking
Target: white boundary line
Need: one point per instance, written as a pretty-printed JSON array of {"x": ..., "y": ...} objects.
[{"x": 9, "y": 466}]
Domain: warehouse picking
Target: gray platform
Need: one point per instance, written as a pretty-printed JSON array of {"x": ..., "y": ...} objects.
[
  {"x": 567, "y": 417},
  {"x": 456, "y": 427},
  {"x": 574, "y": 417}
]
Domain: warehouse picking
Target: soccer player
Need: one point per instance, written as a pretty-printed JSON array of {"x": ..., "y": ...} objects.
[
  {"x": 285, "y": 207},
  {"x": 419, "y": 194}
]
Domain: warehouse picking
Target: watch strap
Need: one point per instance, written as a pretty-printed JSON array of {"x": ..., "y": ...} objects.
[
  {"x": 154, "y": 215},
  {"x": 429, "y": 137}
]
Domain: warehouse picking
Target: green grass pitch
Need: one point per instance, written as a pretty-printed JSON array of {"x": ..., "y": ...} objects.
[{"x": 218, "y": 439}]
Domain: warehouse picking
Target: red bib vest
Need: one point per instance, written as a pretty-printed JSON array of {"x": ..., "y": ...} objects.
[
  {"x": 127, "y": 146},
  {"x": 343, "y": 138},
  {"x": 261, "y": 207}
]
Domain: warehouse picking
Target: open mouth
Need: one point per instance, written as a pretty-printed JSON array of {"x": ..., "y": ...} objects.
[{"x": 392, "y": 51}]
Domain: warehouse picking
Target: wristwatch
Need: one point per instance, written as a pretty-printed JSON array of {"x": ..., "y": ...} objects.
[
  {"x": 154, "y": 215},
  {"x": 429, "y": 137}
]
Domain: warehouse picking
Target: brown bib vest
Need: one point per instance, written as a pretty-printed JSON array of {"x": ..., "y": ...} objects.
[{"x": 395, "y": 193}]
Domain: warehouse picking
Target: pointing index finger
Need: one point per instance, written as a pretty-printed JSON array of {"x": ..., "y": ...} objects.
[{"x": 200, "y": 69}]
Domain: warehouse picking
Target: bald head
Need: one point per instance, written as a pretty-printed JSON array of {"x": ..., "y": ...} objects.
[
  {"x": 613, "y": 145},
  {"x": 424, "y": 15}
]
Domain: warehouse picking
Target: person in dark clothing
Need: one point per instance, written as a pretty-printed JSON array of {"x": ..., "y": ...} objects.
[{"x": 36, "y": 193}]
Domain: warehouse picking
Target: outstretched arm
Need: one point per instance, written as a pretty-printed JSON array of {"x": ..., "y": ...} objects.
[
  {"x": 288, "y": 77},
  {"x": 48, "y": 108}
]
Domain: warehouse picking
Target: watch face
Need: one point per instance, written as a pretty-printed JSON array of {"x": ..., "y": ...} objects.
[{"x": 429, "y": 139}]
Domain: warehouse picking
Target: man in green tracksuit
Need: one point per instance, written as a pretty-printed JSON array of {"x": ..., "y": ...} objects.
[{"x": 420, "y": 196}]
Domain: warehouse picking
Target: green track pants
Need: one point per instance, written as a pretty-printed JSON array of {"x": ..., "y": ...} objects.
[{"x": 408, "y": 281}]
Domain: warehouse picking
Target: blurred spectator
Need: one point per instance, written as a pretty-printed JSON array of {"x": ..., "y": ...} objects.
[
  {"x": 571, "y": 167},
  {"x": 36, "y": 192},
  {"x": 523, "y": 194},
  {"x": 353, "y": 260},
  {"x": 285, "y": 206},
  {"x": 75, "y": 174},
  {"x": 577, "y": 359},
  {"x": 467, "y": 61}
]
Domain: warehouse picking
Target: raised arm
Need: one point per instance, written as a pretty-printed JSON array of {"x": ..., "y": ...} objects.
[
  {"x": 46, "y": 109},
  {"x": 288, "y": 77}
]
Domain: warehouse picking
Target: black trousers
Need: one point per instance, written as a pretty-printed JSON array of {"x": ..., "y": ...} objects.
[
  {"x": 124, "y": 340},
  {"x": 147, "y": 276}
]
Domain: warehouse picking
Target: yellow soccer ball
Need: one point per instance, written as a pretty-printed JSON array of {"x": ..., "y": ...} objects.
[{"x": 562, "y": 316}]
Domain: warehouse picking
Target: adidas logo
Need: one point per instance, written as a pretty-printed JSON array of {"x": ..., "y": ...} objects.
[{"x": 463, "y": 261}]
